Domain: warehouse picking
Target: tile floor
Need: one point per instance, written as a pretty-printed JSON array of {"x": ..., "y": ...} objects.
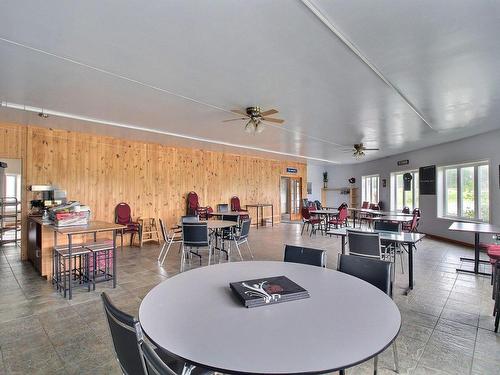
[{"x": 447, "y": 322}]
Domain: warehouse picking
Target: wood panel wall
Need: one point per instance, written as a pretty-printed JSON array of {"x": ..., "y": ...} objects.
[{"x": 154, "y": 179}]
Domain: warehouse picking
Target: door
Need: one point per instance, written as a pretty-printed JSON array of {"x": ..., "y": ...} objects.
[
  {"x": 290, "y": 198},
  {"x": 295, "y": 197}
]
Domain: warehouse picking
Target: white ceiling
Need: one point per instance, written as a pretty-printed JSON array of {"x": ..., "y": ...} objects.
[{"x": 178, "y": 67}]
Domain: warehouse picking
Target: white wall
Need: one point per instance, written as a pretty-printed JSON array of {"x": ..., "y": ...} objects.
[
  {"x": 481, "y": 147},
  {"x": 315, "y": 176}
]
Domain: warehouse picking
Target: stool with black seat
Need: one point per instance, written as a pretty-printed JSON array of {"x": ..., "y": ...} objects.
[
  {"x": 376, "y": 272},
  {"x": 305, "y": 255}
]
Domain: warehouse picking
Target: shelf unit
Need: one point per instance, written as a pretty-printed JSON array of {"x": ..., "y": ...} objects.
[
  {"x": 10, "y": 220},
  {"x": 352, "y": 192}
]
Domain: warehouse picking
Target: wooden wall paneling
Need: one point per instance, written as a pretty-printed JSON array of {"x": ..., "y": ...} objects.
[{"x": 154, "y": 179}]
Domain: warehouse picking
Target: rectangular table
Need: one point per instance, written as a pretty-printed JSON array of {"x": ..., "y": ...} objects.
[
  {"x": 371, "y": 212},
  {"x": 261, "y": 206},
  {"x": 396, "y": 218},
  {"x": 409, "y": 239},
  {"x": 477, "y": 229},
  {"x": 93, "y": 227}
]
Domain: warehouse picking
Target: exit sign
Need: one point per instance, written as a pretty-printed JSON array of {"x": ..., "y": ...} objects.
[
  {"x": 403, "y": 162},
  {"x": 291, "y": 170}
]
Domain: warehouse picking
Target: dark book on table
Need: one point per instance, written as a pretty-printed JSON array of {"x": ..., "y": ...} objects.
[{"x": 268, "y": 290}]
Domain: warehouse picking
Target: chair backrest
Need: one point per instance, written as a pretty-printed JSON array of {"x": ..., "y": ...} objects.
[
  {"x": 311, "y": 205},
  {"x": 374, "y": 271},
  {"x": 306, "y": 215},
  {"x": 365, "y": 204},
  {"x": 414, "y": 222},
  {"x": 190, "y": 219},
  {"x": 192, "y": 202},
  {"x": 222, "y": 207},
  {"x": 153, "y": 363},
  {"x": 371, "y": 206},
  {"x": 195, "y": 234},
  {"x": 245, "y": 229},
  {"x": 416, "y": 211},
  {"x": 406, "y": 210},
  {"x": 235, "y": 203},
  {"x": 365, "y": 244},
  {"x": 387, "y": 226},
  {"x": 123, "y": 213},
  {"x": 125, "y": 333},
  {"x": 343, "y": 212},
  {"x": 234, "y": 218},
  {"x": 305, "y": 255},
  {"x": 318, "y": 205},
  {"x": 163, "y": 229}
]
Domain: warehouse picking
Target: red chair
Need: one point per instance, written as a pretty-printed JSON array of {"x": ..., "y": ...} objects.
[
  {"x": 341, "y": 218},
  {"x": 493, "y": 252},
  {"x": 369, "y": 217},
  {"x": 194, "y": 208},
  {"x": 123, "y": 216},
  {"x": 365, "y": 204},
  {"x": 412, "y": 226},
  {"x": 236, "y": 206},
  {"x": 309, "y": 220}
]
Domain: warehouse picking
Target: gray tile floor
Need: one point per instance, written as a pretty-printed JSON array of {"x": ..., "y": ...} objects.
[{"x": 447, "y": 322}]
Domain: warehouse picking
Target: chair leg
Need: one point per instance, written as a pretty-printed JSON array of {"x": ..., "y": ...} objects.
[
  {"x": 238, "y": 248},
  {"x": 401, "y": 255},
  {"x": 183, "y": 257},
  {"x": 249, "y": 250},
  {"x": 166, "y": 252},
  {"x": 396, "y": 357},
  {"x": 303, "y": 226},
  {"x": 209, "y": 253},
  {"x": 187, "y": 369},
  {"x": 375, "y": 365}
]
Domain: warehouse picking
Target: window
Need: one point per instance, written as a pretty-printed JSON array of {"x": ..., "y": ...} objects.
[
  {"x": 464, "y": 192},
  {"x": 13, "y": 185},
  {"x": 369, "y": 188},
  {"x": 404, "y": 198}
]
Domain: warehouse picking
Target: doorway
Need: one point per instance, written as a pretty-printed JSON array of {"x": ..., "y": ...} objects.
[
  {"x": 10, "y": 201},
  {"x": 290, "y": 198}
]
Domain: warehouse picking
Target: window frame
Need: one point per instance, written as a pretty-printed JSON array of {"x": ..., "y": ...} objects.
[
  {"x": 363, "y": 187},
  {"x": 443, "y": 192},
  {"x": 394, "y": 189}
]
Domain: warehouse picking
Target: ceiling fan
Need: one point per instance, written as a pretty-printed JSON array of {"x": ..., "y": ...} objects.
[
  {"x": 255, "y": 116},
  {"x": 359, "y": 150}
]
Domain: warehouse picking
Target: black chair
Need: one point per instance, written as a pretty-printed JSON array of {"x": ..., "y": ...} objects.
[
  {"x": 128, "y": 338},
  {"x": 390, "y": 247},
  {"x": 195, "y": 236},
  {"x": 153, "y": 363},
  {"x": 376, "y": 272},
  {"x": 123, "y": 329},
  {"x": 305, "y": 255},
  {"x": 318, "y": 205},
  {"x": 190, "y": 219},
  {"x": 223, "y": 207},
  {"x": 364, "y": 244}
]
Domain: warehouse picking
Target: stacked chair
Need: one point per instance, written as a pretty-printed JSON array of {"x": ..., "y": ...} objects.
[
  {"x": 236, "y": 206},
  {"x": 123, "y": 216},
  {"x": 310, "y": 221},
  {"x": 194, "y": 208},
  {"x": 493, "y": 252}
]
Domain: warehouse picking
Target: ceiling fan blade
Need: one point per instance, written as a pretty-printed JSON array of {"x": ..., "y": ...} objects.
[
  {"x": 269, "y": 112},
  {"x": 239, "y": 112},
  {"x": 276, "y": 120},
  {"x": 371, "y": 149},
  {"x": 236, "y": 119}
]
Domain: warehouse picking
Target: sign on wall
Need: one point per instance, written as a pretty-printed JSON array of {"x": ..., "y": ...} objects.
[
  {"x": 291, "y": 170},
  {"x": 403, "y": 162}
]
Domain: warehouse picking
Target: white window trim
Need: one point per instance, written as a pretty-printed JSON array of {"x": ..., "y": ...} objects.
[
  {"x": 363, "y": 193},
  {"x": 441, "y": 191},
  {"x": 394, "y": 192}
]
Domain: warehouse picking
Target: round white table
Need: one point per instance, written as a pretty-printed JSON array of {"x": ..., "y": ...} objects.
[{"x": 195, "y": 316}]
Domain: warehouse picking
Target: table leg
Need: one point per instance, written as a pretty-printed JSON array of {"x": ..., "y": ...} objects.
[
  {"x": 354, "y": 219},
  {"x": 272, "y": 215},
  {"x": 410, "y": 267},
  {"x": 70, "y": 292},
  {"x": 114, "y": 259},
  {"x": 476, "y": 259},
  {"x": 342, "y": 238},
  {"x": 257, "y": 209}
]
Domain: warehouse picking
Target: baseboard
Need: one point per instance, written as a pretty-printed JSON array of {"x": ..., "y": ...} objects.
[{"x": 449, "y": 240}]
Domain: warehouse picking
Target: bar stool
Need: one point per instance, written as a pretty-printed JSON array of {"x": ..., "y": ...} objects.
[
  {"x": 100, "y": 261},
  {"x": 493, "y": 252},
  {"x": 80, "y": 271}
]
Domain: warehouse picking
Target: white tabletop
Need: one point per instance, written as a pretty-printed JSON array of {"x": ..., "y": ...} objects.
[
  {"x": 401, "y": 219},
  {"x": 323, "y": 212},
  {"x": 195, "y": 316},
  {"x": 229, "y": 213},
  {"x": 405, "y": 237},
  {"x": 460, "y": 226}
]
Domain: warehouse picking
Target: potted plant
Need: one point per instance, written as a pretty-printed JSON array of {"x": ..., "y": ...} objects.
[{"x": 325, "y": 179}]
